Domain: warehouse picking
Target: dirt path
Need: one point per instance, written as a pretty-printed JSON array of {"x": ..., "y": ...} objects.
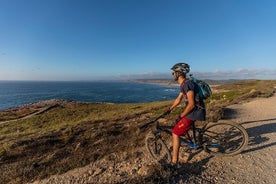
[
  {"x": 32, "y": 109},
  {"x": 257, "y": 164},
  {"x": 39, "y": 111}
]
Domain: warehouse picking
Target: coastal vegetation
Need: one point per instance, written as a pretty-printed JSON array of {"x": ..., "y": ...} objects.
[{"x": 59, "y": 135}]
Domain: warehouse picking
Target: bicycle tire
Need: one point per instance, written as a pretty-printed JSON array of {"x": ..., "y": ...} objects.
[
  {"x": 224, "y": 138},
  {"x": 157, "y": 149}
]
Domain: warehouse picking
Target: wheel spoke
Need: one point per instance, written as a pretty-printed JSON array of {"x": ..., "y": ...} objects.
[
  {"x": 224, "y": 138},
  {"x": 157, "y": 149}
]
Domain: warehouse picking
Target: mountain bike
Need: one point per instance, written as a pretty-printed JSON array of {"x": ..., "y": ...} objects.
[{"x": 222, "y": 138}]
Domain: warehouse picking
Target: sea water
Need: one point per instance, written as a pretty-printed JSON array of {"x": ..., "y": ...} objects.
[{"x": 17, "y": 93}]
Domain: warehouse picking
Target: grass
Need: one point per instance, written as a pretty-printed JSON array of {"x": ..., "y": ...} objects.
[
  {"x": 73, "y": 115},
  {"x": 73, "y": 134},
  {"x": 65, "y": 133}
]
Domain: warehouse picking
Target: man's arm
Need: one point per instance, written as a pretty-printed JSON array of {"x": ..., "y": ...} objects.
[
  {"x": 191, "y": 104},
  {"x": 177, "y": 101}
]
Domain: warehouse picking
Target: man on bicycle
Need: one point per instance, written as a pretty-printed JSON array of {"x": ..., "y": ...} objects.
[{"x": 194, "y": 109}]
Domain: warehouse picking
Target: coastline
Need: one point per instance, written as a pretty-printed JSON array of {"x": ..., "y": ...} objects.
[
  {"x": 82, "y": 128},
  {"x": 163, "y": 82},
  {"x": 13, "y": 95}
]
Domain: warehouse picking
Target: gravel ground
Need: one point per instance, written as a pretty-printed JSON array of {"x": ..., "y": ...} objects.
[{"x": 255, "y": 165}]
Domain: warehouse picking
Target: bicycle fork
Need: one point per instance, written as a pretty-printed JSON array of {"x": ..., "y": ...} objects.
[{"x": 155, "y": 144}]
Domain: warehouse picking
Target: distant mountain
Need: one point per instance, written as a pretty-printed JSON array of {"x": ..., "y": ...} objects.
[{"x": 172, "y": 82}]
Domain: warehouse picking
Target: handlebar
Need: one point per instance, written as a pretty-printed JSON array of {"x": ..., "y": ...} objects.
[{"x": 154, "y": 120}]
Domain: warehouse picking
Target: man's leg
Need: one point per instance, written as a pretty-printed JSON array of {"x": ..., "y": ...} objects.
[
  {"x": 176, "y": 144},
  {"x": 180, "y": 128}
]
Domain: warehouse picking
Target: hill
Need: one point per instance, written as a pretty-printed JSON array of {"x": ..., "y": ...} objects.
[
  {"x": 172, "y": 82},
  {"x": 53, "y": 137}
]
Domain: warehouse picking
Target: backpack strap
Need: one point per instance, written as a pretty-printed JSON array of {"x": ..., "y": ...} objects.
[
  {"x": 197, "y": 104},
  {"x": 197, "y": 96},
  {"x": 182, "y": 86}
]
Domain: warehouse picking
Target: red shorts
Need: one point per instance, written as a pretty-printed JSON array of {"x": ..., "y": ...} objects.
[{"x": 182, "y": 126}]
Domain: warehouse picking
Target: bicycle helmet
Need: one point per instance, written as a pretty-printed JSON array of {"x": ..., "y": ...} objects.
[{"x": 181, "y": 67}]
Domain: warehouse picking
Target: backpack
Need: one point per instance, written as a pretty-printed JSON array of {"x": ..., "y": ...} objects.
[{"x": 204, "y": 88}]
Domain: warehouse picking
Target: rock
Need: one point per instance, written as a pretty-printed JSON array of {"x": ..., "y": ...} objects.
[
  {"x": 143, "y": 171},
  {"x": 97, "y": 171}
]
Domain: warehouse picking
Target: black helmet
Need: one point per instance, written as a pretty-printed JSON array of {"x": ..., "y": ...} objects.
[{"x": 181, "y": 67}]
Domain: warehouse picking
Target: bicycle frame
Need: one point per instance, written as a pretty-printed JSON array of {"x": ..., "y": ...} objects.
[
  {"x": 191, "y": 140},
  {"x": 223, "y": 138}
]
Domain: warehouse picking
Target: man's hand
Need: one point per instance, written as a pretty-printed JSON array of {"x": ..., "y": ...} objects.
[
  {"x": 178, "y": 118},
  {"x": 168, "y": 111}
]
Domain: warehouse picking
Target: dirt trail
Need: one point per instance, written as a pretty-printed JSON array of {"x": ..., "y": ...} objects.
[
  {"x": 257, "y": 164},
  {"x": 39, "y": 111}
]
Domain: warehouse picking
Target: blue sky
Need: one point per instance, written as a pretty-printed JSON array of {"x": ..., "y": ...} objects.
[{"x": 118, "y": 39}]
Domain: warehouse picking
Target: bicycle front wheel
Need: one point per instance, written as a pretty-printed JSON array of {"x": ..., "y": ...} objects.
[
  {"x": 224, "y": 138},
  {"x": 157, "y": 149}
]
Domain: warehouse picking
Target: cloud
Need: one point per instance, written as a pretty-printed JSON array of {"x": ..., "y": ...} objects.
[
  {"x": 146, "y": 75},
  {"x": 239, "y": 74},
  {"x": 215, "y": 75}
]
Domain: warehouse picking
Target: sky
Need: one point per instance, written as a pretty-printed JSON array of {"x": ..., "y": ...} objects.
[{"x": 125, "y": 39}]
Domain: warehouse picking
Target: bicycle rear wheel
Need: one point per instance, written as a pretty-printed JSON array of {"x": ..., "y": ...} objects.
[
  {"x": 224, "y": 138},
  {"x": 157, "y": 149}
]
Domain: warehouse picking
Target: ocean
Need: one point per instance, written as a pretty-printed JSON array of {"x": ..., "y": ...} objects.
[{"x": 17, "y": 93}]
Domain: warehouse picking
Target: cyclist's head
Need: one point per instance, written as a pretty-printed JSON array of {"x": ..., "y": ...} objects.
[{"x": 181, "y": 69}]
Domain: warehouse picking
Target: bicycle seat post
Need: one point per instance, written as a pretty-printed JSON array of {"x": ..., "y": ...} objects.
[{"x": 194, "y": 133}]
